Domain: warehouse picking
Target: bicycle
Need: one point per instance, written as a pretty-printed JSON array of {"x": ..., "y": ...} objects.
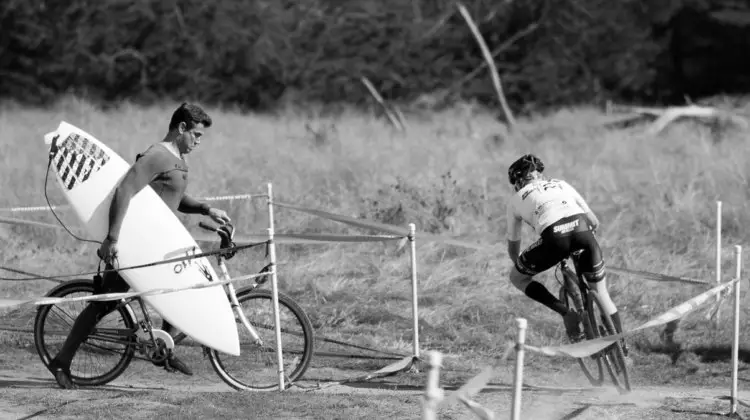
[
  {"x": 121, "y": 337},
  {"x": 574, "y": 289}
]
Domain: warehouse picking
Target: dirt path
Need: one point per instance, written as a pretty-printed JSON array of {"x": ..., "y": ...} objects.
[{"x": 27, "y": 389}]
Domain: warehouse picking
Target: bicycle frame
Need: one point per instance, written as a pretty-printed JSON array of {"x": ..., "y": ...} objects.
[
  {"x": 229, "y": 287},
  {"x": 143, "y": 335}
]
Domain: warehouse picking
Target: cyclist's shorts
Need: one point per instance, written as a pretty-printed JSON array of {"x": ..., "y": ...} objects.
[{"x": 557, "y": 241}]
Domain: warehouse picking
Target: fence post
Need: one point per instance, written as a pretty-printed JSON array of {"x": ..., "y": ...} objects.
[
  {"x": 518, "y": 376},
  {"x": 415, "y": 309},
  {"x": 275, "y": 289},
  {"x": 433, "y": 394},
  {"x": 736, "y": 339},
  {"x": 718, "y": 259}
]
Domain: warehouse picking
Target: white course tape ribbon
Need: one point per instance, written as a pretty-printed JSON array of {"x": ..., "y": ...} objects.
[
  {"x": 61, "y": 206},
  {"x": 9, "y": 303},
  {"x": 589, "y": 347},
  {"x": 655, "y": 276},
  {"x": 233, "y": 197},
  {"x": 474, "y": 385},
  {"x": 31, "y": 209}
]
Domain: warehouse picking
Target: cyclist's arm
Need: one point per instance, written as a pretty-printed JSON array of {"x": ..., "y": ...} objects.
[
  {"x": 514, "y": 234},
  {"x": 137, "y": 177},
  {"x": 514, "y": 250},
  {"x": 593, "y": 220},
  {"x": 190, "y": 205}
]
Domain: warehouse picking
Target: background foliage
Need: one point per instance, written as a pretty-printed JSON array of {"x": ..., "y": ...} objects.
[{"x": 264, "y": 53}]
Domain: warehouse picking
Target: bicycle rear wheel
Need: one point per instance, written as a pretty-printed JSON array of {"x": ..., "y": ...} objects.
[
  {"x": 256, "y": 367},
  {"x": 571, "y": 296},
  {"x": 614, "y": 357},
  {"x": 104, "y": 355}
]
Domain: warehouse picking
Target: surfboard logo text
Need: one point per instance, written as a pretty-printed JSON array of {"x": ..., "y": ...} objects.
[
  {"x": 184, "y": 263},
  {"x": 76, "y": 159}
]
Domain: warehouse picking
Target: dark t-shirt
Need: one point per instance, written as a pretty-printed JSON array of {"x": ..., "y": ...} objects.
[{"x": 166, "y": 173}]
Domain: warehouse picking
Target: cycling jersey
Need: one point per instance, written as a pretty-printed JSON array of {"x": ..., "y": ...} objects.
[{"x": 541, "y": 203}]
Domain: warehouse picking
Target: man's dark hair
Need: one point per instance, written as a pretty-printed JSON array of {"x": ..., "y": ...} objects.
[{"x": 191, "y": 115}]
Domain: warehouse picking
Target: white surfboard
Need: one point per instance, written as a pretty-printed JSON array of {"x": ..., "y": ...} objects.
[{"x": 88, "y": 172}]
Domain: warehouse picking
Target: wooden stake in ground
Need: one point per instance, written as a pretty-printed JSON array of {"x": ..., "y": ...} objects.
[
  {"x": 391, "y": 116},
  {"x": 491, "y": 63}
]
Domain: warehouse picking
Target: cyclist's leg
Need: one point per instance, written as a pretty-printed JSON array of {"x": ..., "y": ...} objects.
[
  {"x": 538, "y": 257},
  {"x": 85, "y": 323}
]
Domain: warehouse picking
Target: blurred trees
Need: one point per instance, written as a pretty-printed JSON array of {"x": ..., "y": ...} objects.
[{"x": 257, "y": 54}]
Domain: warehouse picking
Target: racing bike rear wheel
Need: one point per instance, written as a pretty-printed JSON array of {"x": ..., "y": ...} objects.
[{"x": 614, "y": 357}]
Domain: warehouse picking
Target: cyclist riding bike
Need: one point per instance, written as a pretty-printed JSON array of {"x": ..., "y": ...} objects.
[{"x": 565, "y": 224}]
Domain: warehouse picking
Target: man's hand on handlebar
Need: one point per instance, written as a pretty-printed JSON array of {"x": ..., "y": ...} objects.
[
  {"x": 219, "y": 216},
  {"x": 226, "y": 233}
]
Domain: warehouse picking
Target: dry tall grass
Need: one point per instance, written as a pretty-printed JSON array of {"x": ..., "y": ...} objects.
[{"x": 654, "y": 195}]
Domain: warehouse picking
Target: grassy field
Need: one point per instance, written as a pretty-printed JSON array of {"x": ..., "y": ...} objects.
[{"x": 655, "y": 197}]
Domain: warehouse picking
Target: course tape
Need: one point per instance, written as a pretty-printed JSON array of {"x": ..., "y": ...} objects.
[
  {"x": 151, "y": 264},
  {"x": 13, "y": 221},
  {"x": 233, "y": 197},
  {"x": 474, "y": 385},
  {"x": 655, "y": 276},
  {"x": 366, "y": 224},
  {"x": 304, "y": 238},
  {"x": 8, "y": 303},
  {"x": 25, "y": 273},
  {"x": 589, "y": 347},
  {"x": 395, "y": 232},
  {"x": 29, "y": 209},
  {"x": 402, "y": 365}
]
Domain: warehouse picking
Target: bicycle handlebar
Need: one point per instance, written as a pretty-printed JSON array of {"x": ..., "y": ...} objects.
[
  {"x": 209, "y": 227},
  {"x": 225, "y": 232}
]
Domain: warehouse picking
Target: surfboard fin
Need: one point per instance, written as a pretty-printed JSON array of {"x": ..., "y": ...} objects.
[{"x": 49, "y": 137}]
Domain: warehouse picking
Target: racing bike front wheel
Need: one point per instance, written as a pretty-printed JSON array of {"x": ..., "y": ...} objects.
[{"x": 256, "y": 368}]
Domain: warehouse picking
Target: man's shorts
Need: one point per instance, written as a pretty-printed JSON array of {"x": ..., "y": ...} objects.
[
  {"x": 557, "y": 242},
  {"x": 110, "y": 282}
]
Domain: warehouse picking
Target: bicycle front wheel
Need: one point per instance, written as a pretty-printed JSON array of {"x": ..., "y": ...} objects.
[
  {"x": 614, "y": 357},
  {"x": 256, "y": 368},
  {"x": 107, "y": 351}
]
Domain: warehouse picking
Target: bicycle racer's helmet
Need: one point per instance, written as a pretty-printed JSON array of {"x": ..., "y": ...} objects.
[{"x": 522, "y": 167}]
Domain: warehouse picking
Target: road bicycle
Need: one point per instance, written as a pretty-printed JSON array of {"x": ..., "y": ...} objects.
[
  {"x": 121, "y": 336},
  {"x": 576, "y": 293}
]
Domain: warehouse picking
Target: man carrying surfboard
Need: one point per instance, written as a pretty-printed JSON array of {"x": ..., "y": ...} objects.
[{"x": 163, "y": 167}]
